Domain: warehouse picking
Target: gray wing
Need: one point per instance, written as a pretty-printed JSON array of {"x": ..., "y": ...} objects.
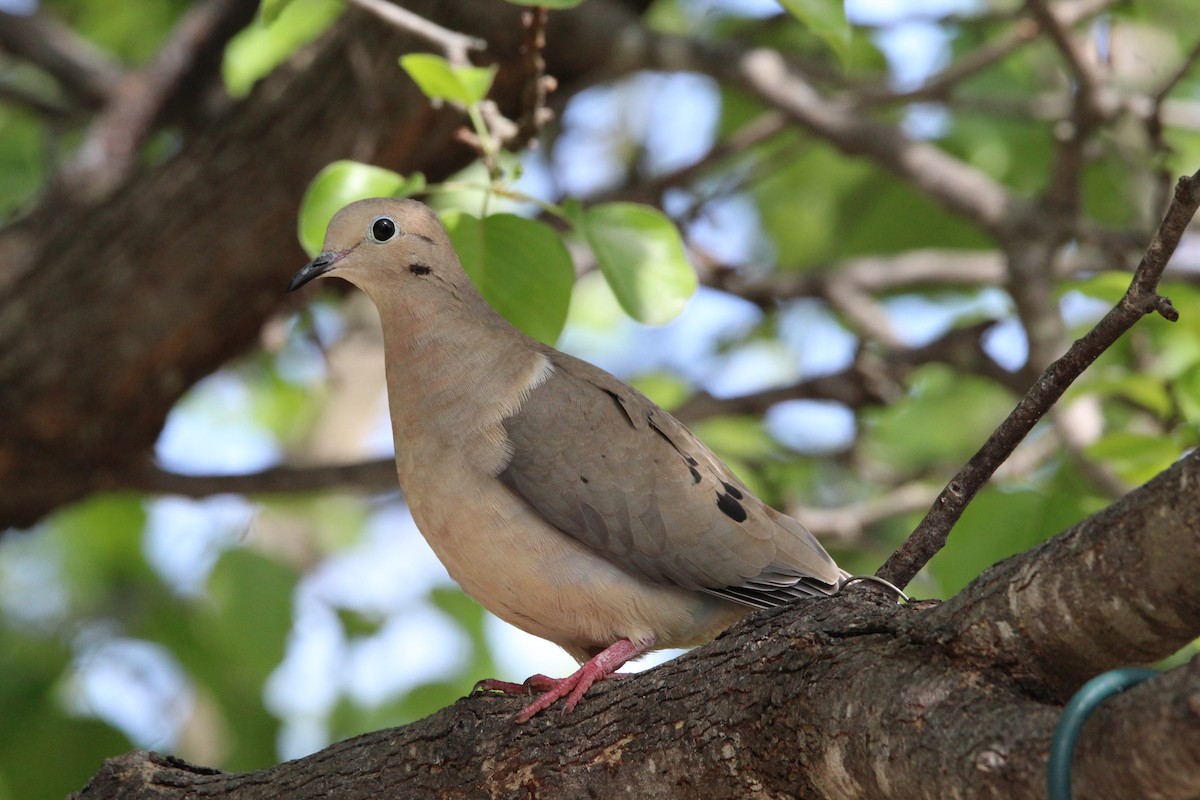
[{"x": 604, "y": 464}]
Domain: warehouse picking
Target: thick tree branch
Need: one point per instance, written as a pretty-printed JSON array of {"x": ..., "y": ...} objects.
[
  {"x": 1119, "y": 588},
  {"x": 848, "y": 697},
  {"x": 1140, "y": 299}
]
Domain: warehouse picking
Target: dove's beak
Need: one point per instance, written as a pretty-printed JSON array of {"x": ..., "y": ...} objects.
[{"x": 316, "y": 268}]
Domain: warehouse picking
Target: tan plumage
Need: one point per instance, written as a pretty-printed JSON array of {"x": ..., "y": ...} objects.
[{"x": 560, "y": 498}]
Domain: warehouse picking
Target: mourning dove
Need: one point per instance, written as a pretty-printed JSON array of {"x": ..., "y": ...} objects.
[{"x": 558, "y": 497}]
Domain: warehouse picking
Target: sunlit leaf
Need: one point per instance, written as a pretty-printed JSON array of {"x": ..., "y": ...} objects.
[
  {"x": 441, "y": 80},
  {"x": 641, "y": 254},
  {"x": 520, "y": 266},
  {"x": 269, "y": 10},
  {"x": 257, "y": 49},
  {"x": 341, "y": 183}
]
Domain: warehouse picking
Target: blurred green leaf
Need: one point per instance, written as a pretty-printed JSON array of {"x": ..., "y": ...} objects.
[
  {"x": 257, "y": 49},
  {"x": 244, "y": 632},
  {"x": 1136, "y": 457},
  {"x": 79, "y": 747},
  {"x": 519, "y": 265},
  {"x": 1107, "y": 286},
  {"x": 441, "y": 80},
  {"x": 912, "y": 435},
  {"x": 340, "y": 184},
  {"x": 1003, "y": 521},
  {"x": 825, "y": 18},
  {"x": 269, "y": 10},
  {"x": 359, "y": 625},
  {"x": 641, "y": 254}
]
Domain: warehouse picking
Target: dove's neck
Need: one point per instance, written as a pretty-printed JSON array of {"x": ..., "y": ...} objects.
[{"x": 453, "y": 376}]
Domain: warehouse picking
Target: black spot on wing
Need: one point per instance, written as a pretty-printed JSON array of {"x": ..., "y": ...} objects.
[
  {"x": 732, "y": 490},
  {"x": 731, "y": 507},
  {"x": 695, "y": 474}
]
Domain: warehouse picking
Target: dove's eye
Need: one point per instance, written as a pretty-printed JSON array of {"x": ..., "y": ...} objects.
[{"x": 382, "y": 229}]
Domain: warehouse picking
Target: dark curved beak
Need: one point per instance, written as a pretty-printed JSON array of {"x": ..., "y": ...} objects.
[{"x": 314, "y": 269}]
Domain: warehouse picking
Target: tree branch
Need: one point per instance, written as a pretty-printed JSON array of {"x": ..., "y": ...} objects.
[
  {"x": 457, "y": 46},
  {"x": 846, "y": 697},
  {"x": 85, "y": 72},
  {"x": 1140, "y": 299},
  {"x": 110, "y": 146}
]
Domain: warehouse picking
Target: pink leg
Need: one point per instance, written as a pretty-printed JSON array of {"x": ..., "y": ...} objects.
[
  {"x": 574, "y": 686},
  {"x": 603, "y": 665}
]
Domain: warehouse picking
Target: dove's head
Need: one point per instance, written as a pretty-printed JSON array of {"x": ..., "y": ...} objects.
[{"x": 394, "y": 250}]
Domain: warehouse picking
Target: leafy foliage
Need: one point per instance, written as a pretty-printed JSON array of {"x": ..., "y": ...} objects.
[{"x": 230, "y": 612}]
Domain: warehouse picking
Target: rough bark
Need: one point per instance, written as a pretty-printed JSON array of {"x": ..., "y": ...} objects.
[
  {"x": 849, "y": 697},
  {"x": 111, "y": 308}
]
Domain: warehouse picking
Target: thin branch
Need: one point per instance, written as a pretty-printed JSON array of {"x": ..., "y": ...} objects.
[
  {"x": 534, "y": 113},
  {"x": 962, "y": 188},
  {"x": 758, "y": 130},
  {"x": 110, "y": 146},
  {"x": 41, "y": 106},
  {"x": 367, "y": 476},
  {"x": 1140, "y": 299},
  {"x": 847, "y": 523},
  {"x": 85, "y": 72},
  {"x": 457, "y": 46},
  {"x": 1087, "y": 77},
  {"x": 941, "y": 84},
  {"x": 871, "y": 380},
  {"x": 907, "y": 271}
]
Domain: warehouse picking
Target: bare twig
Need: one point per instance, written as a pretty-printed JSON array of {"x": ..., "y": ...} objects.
[
  {"x": 457, "y": 46},
  {"x": 369, "y": 476},
  {"x": 940, "y": 85},
  {"x": 962, "y": 188},
  {"x": 1140, "y": 299},
  {"x": 534, "y": 113},
  {"x": 110, "y": 145},
  {"x": 847, "y": 523},
  {"x": 43, "y": 107},
  {"x": 766, "y": 74},
  {"x": 85, "y": 72},
  {"x": 871, "y": 380},
  {"x": 907, "y": 271}
]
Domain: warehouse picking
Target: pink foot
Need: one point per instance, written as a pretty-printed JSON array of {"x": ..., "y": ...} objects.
[{"x": 603, "y": 665}]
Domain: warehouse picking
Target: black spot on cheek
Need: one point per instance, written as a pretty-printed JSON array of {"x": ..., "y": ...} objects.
[
  {"x": 731, "y": 508},
  {"x": 695, "y": 474},
  {"x": 420, "y": 269},
  {"x": 584, "y": 479},
  {"x": 732, "y": 490}
]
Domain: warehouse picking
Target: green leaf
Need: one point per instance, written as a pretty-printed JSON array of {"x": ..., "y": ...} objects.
[
  {"x": 257, "y": 49},
  {"x": 1137, "y": 457},
  {"x": 341, "y": 183},
  {"x": 551, "y": 4},
  {"x": 520, "y": 266},
  {"x": 441, "y": 80},
  {"x": 269, "y": 10},
  {"x": 825, "y": 18},
  {"x": 640, "y": 252}
]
